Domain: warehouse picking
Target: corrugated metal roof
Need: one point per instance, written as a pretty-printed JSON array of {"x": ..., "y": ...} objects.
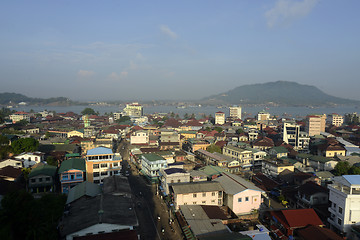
[
  {"x": 196, "y": 187},
  {"x": 99, "y": 151},
  {"x": 234, "y": 184}
]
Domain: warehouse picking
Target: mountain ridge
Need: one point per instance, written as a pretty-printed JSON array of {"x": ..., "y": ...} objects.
[{"x": 284, "y": 93}]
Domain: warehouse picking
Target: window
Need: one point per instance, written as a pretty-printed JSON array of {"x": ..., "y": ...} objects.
[
  {"x": 104, "y": 173},
  {"x": 246, "y": 199},
  {"x": 339, "y": 221},
  {"x": 213, "y": 194},
  {"x": 96, "y": 166},
  {"x": 212, "y": 201},
  {"x": 340, "y": 210},
  {"x": 204, "y": 194},
  {"x": 96, "y": 181},
  {"x": 194, "y": 203},
  {"x": 115, "y": 164},
  {"x": 40, "y": 179},
  {"x": 96, "y": 174},
  {"x": 240, "y": 199},
  {"x": 172, "y": 181},
  {"x": 79, "y": 175},
  {"x": 334, "y": 206},
  {"x": 33, "y": 180},
  {"x": 220, "y": 194},
  {"x": 65, "y": 177},
  {"x": 104, "y": 165},
  {"x": 203, "y": 202},
  {"x": 72, "y": 176},
  {"x": 47, "y": 179},
  {"x": 194, "y": 195},
  {"x": 116, "y": 172}
]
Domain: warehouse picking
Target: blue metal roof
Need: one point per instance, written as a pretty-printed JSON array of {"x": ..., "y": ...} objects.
[
  {"x": 99, "y": 151},
  {"x": 352, "y": 179}
]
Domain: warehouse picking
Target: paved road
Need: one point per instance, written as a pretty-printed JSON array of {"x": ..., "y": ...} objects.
[{"x": 148, "y": 205}]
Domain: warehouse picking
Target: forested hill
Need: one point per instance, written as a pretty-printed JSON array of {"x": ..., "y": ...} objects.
[
  {"x": 16, "y": 98},
  {"x": 281, "y": 93}
]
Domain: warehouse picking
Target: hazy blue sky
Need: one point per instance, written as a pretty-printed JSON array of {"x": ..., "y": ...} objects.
[{"x": 105, "y": 50}]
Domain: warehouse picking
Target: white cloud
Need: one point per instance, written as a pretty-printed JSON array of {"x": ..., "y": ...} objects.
[
  {"x": 167, "y": 31},
  {"x": 85, "y": 73},
  {"x": 117, "y": 77},
  {"x": 286, "y": 11}
]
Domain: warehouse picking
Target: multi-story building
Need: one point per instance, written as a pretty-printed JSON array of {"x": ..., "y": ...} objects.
[
  {"x": 337, "y": 120},
  {"x": 71, "y": 173},
  {"x": 292, "y": 135},
  {"x": 101, "y": 162},
  {"x": 219, "y": 118},
  {"x": 235, "y": 112},
  {"x": 244, "y": 156},
  {"x": 151, "y": 164},
  {"x": 199, "y": 193},
  {"x": 42, "y": 179},
  {"x": 139, "y": 137},
  {"x": 29, "y": 159},
  {"x": 18, "y": 116},
  {"x": 117, "y": 116},
  {"x": 133, "y": 110},
  {"x": 263, "y": 116},
  {"x": 315, "y": 124},
  {"x": 275, "y": 167},
  {"x": 344, "y": 197},
  {"x": 173, "y": 175}
]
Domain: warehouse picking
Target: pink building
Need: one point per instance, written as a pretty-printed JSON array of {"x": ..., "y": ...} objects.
[{"x": 240, "y": 196}]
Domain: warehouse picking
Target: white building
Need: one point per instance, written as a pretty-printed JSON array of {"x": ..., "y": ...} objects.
[
  {"x": 219, "y": 118},
  {"x": 337, "y": 120},
  {"x": 235, "y": 112},
  {"x": 30, "y": 158},
  {"x": 344, "y": 197},
  {"x": 18, "y": 116},
  {"x": 139, "y": 137},
  {"x": 263, "y": 116},
  {"x": 151, "y": 164},
  {"x": 173, "y": 175},
  {"x": 133, "y": 110},
  {"x": 293, "y": 136}
]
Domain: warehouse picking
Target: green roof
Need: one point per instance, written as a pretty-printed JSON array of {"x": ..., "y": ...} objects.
[
  {"x": 69, "y": 155},
  {"x": 304, "y": 155},
  {"x": 280, "y": 149},
  {"x": 164, "y": 153},
  {"x": 211, "y": 170},
  {"x": 153, "y": 157},
  {"x": 320, "y": 159},
  {"x": 189, "y": 132},
  {"x": 47, "y": 170},
  {"x": 73, "y": 163}
]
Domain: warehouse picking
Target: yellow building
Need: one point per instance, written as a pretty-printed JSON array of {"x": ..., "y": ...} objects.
[{"x": 76, "y": 133}]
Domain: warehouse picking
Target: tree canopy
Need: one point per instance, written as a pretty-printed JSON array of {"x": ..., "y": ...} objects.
[
  {"x": 213, "y": 148},
  {"x": 24, "y": 145},
  {"x": 89, "y": 111}
]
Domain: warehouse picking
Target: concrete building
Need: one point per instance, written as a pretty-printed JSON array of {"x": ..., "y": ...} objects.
[
  {"x": 219, "y": 118},
  {"x": 263, "y": 116},
  {"x": 337, "y": 120},
  {"x": 173, "y": 175},
  {"x": 199, "y": 193},
  {"x": 294, "y": 136},
  {"x": 151, "y": 164},
  {"x": 29, "y": 159},
  {"x": 133, "y": 110},
  {"x": 315, "y": 124},
  {"x": 241, "y": 196},
  {"x": 344, "y": 197},
  {"x": 139, "y": 137},
  {"x": 18, "y": 116},
  {"x": 101, "y": 162},
  {"x": 235, "y": 112}
]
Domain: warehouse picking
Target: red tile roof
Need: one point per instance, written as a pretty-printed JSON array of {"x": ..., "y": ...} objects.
[{"x": 295, "y": 218}]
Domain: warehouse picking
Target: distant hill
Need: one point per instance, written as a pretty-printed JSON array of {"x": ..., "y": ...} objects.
[
  {"x": 280, "y": 93},
  {"x": 16, "y": 98}
]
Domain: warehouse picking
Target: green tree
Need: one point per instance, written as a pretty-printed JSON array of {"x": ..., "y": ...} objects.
[
  {"x": 213, "y": 148},
  {"x": 5, "y": 151},
  {"x": 24, "y": 145},
  {"x": 354, "y": 170},
  {"x": 342, "y": 168},
  {"x": 186, "y": 116},
  {"x": 172, "y": 114},
  {"x": 3, "y": 140},
  {"x": 123, "y": 119},
  {"x": 218, "y": 129},
  {"x": 239, "y": 130},
  {"x": 193, "y": 116},
  {"x": 88, "y": 111},
  {"x": 51, "y": 161}
]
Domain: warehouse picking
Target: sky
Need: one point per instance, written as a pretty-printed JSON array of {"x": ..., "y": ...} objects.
[{"x": 176, "y": 50}]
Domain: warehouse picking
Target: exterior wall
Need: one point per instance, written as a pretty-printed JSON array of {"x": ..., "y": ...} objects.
[
  {"x": 140, "y": 137},
  {"x": 335, "y": 153},
  {"x": 98, "y": 169},
  {"x": 235, "y": 112},
  {"x": 315, "y": 125},
  {"x": 11, "y": 162},
  {"x": 273, "y": 169},
  {"x": 75, "y": 134},
  {"x": 69, "y": 179},
  {"x": 337, "y": 120},
  {"x": 219, "y": 118},
  {"x": 95, "y": 229},
  {"x": 41, "y": 183},
  {"x": 18, "y": 117},
  {"x": 151, "y": 168},
  {"x": 245, "y": 201},
  {"x": 30, "y": 159},
  {"x": 344, "y": 209},
  {"x": 241, "y": 155},
  {"x": 173, "y": 178},
  {"x": 199, "y": 198}
]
